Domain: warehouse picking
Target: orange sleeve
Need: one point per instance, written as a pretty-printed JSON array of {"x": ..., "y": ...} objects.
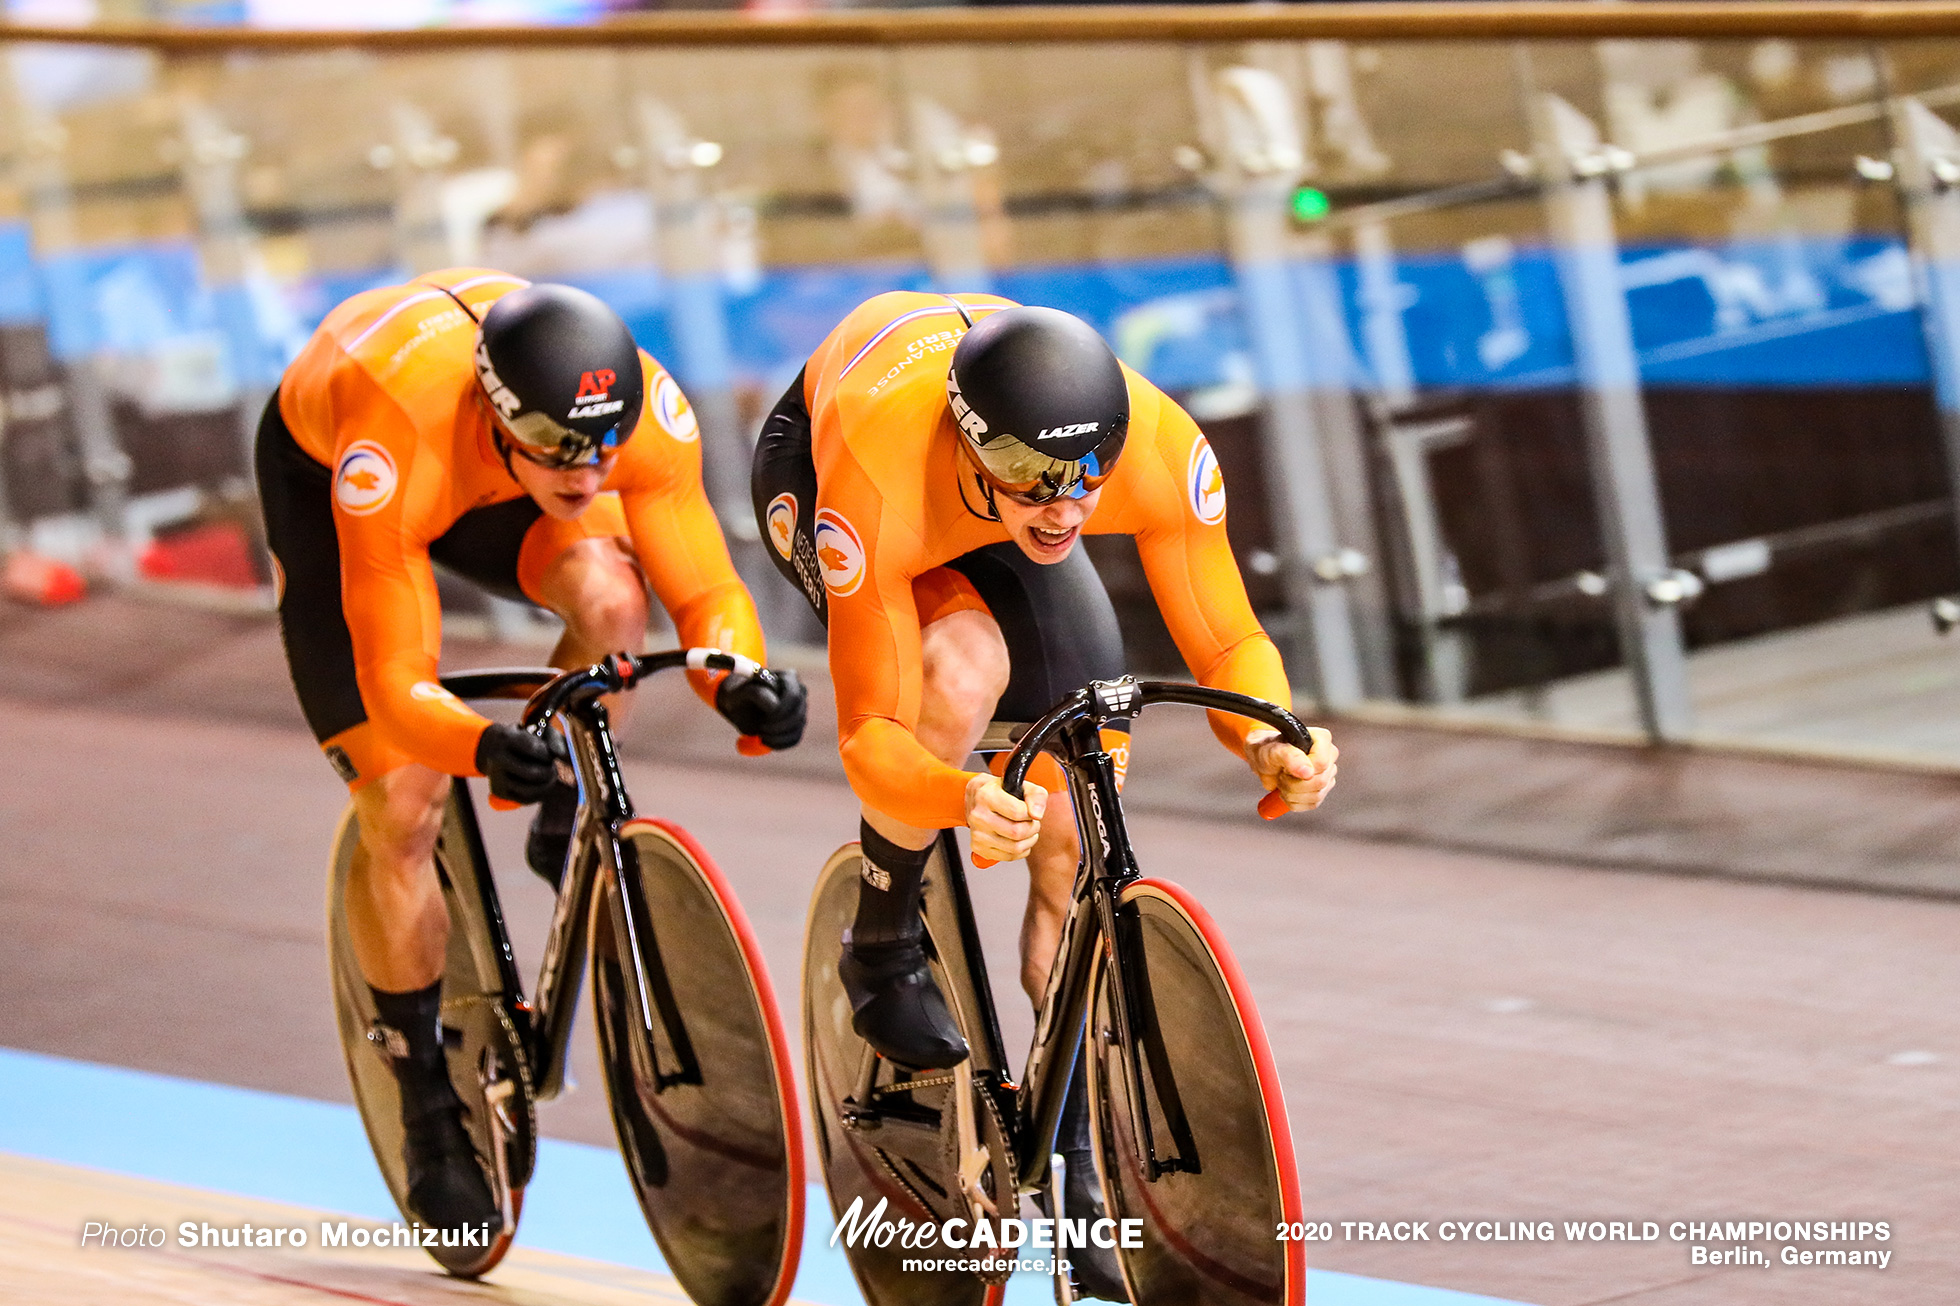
[
  {"x": 1193, "y": 575},
  {"x": 388, "y": 588},
  {"x": 876, "y": 664},
  {"x": 675, "y": 533}
]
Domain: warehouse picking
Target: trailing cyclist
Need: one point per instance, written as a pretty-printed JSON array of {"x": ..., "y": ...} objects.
[
  {"x": 924, "y": 483},
  {"x": 472, "y": 419}
]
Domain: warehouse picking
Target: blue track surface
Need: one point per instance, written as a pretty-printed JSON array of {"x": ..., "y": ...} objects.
[{"x": 315, "y": 1154}]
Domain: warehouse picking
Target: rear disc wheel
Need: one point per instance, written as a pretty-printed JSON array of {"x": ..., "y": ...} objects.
[
  {"x": 487, "y": 1063},
  {"x": 909, "y": 1160}
]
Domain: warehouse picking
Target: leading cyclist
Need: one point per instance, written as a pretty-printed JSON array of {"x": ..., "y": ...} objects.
[
  {"x": 515, "y": 434},
  {"x": 923, "y": 483}
]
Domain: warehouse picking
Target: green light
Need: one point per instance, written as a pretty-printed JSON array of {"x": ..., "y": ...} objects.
[{"x": 1310, "y": 205}]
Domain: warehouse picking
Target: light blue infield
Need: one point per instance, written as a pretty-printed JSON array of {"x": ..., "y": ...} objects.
[{"x": 315, "y": 1154}]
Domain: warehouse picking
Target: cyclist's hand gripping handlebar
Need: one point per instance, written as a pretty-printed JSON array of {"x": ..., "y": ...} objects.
[
  {"x": 622, "y": 671},
  {"x": 768, "y": 708},
  {"x": 521, "y": 765},
  {"x": 1108, "y": 699}
]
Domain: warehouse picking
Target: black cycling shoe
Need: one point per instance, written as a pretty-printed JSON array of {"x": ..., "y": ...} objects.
[
  {"x": 551, "y": 834},
  {"x": 446, "y": 1185},
  {"x": 897, "y": 1007},
  {"x": 1092, "y": 1268}
]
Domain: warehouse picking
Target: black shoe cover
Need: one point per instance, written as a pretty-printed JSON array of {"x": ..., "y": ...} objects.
[
  {"x": 446, "y": 1186},
  {"x": 551, "y": 834},
  {"x": 897, "y": 1007},
  {"x": 1093, "y": 1268}
]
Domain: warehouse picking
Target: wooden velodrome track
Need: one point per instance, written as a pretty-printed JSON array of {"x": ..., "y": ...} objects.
[{"x": 1461, "y": 1037}]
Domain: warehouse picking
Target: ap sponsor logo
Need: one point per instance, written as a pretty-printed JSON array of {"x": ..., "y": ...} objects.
[
  {"x": 673, "y": 412},
  {"x": 364, "y": 479},
  {"x": 1205, "y": 484},
  {"x": 780, "y": 521},
  {"x": 840, "y": 553}
]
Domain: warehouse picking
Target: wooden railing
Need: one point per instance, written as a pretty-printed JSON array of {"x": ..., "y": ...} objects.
[{"x": 1578, "y": 20}]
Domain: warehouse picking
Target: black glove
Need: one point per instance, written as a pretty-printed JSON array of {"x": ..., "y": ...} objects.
[
  {"x": 770, "y": 706},
  {"x": 520, "y": 765}
]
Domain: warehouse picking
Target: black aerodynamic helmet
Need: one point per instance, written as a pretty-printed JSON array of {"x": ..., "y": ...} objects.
[
  {"x": 561, "y": 373},
  {"x": 1042, "y": 404}
]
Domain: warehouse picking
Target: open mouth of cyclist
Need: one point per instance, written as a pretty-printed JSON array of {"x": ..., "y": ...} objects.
[{"x": 1053, "y": 542}]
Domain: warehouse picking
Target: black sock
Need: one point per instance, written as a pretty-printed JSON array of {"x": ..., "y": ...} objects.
[
  {"x": 888, "y": 891},
  {"x": 417, "y": 1016}
]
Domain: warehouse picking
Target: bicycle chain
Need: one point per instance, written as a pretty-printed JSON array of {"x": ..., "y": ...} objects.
[
  {"x": 884, "y": 1158},
  {"x": 999, "y": 1267},
  {"x": 899, "y": 1179},
  {"x": 999, "y": 1160}
]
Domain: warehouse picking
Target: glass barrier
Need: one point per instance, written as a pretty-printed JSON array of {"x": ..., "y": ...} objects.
[{"x": 1597, "y": 384}]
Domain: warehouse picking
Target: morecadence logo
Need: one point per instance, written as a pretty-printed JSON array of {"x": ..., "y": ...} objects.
[{"x": 858, "y": 1227}]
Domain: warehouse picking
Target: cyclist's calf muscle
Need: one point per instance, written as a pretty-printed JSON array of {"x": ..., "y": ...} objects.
[
  {"x": 1051, "y": 880},
  {"x": 965, "y": 665},
  {"x": 395, "y": 913}
]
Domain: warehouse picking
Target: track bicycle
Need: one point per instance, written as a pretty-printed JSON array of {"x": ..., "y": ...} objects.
[
  {"x": 695, "y": 1061},
  {"x": 1189, "y": 1126}
]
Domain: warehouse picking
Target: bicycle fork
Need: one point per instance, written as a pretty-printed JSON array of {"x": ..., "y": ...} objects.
[
  {"x": 1097, "y": 920},
  {"x": 597, "y": 856}
]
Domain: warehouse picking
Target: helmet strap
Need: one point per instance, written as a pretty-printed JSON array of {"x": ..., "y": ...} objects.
[
  {"x": 986, "y": 497},
  {"x": 497, "y": 440}
]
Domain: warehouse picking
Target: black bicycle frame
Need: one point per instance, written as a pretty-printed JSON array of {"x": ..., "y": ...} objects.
[
  {"x": 1072, "y": 732},
  {"x": 545, "y": 1025}
]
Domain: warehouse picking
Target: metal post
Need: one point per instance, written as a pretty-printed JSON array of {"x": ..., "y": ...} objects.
[
  {"x": 1928, "y": 172},
  {"x": 420, "y": 157},
  {"x": 227, "y": 251},
  {"x": 1645, "y": 586},
  {"x": 1338, "y": 418},
  {"x": 687, "y": 226},
  {"x": 1383, "y": 297},
  {"x": 1251, "y": 117},
  {"x": 685, "y": 220},
  {"x": 949, "y": 157},
  {"x": 51, "y": 214}
]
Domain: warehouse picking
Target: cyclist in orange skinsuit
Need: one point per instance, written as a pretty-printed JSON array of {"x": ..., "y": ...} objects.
[
  {"x": 515, "y": 434},
  {"x": 386, "y": 392},
  {"x": 924, "y": 483}
]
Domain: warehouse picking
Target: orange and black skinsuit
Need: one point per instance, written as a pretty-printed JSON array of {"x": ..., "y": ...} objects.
[
  {"x": 376, "y": 457},
  {"x": 871, "y": 510}
]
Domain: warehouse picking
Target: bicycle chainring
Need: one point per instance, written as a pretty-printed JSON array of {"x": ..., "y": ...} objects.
[{"x": 981, "y": 1157}]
